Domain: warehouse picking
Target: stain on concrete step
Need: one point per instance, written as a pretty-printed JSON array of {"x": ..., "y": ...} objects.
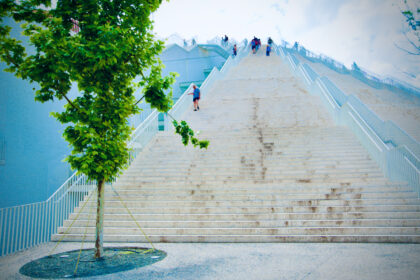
[{"x": 303, "y": 180}]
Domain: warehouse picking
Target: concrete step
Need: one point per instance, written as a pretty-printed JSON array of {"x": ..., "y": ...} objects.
[
  {"x": 254, "y": 147},
  {"x": 386, "y": 238},
  {"x": 292, "y": 134},
  {"x": 379, "y": 183},
  {"x": 248, "y": 231},
  {"x": 257, "y": 210},
  {"x": 124, "y": 216},
  {"x": 251, "y": 166},
  {"x": 275, "y": 170},
  {"x": 238, "y": 163},
  {"x": 263, "y": 176},
  {"x": 249, "y": 224},
  {"x": 144, "y": 202},
  {"x": 271, "y": 155},
  {"x": 256, "y": 179},
  {"x": 133, "y": 195},
  {"x": 298, "y": 181},
  {"x": 298, "y": 174},
  {"x": 280, "y": 168},
  {"x": 326, "y": 132},
  {"x": 255, "y": 188}
]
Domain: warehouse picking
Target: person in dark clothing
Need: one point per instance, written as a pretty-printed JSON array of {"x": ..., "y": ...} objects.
[
  {"x": 234, "y": 50},
  {"x": 225, "y": 40},
  {"x": 258, "y": 44}
]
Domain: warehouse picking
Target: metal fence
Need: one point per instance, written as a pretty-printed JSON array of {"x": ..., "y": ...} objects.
[{"x": 28, "y": 225}]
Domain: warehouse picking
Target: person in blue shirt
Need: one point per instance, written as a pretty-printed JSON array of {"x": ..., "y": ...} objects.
[
  {"x": 196, "y": 97},
  {"x": 267, "y": 53}
]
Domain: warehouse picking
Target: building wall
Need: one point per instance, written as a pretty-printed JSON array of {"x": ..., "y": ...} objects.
[
  {"x": 34, "y": 148},
  {"x": 191, "y": 65}
]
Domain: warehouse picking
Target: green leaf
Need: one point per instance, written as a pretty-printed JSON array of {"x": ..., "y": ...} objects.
[{"x": 187, "y": 135}]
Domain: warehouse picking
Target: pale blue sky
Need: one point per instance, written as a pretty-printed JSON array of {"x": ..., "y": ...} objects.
[{"x": 364, "y": 31}]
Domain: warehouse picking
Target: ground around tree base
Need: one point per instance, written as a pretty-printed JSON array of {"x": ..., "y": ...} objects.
[{"x": 81, "y": 263}]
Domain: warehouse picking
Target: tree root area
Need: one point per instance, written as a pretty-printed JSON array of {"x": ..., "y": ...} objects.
[{"x": 78, "y": 263}]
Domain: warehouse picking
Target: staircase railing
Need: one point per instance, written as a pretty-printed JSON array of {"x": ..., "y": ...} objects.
[
  {"x": 371, "y": 79},
  {"x": 396, "y": 152},
  {"x": 25, "y": 226}
]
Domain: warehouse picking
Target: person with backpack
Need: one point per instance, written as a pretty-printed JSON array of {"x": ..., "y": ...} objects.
[
  {"x": 253, "y": 45},
  {"x": 258, "y": 44}
]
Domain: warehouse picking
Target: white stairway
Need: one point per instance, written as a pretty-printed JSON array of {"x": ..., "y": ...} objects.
[{"x": 277, "y": 170}]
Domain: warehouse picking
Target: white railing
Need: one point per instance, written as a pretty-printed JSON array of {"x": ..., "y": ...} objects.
[
  {"x": 143, "y": 134},
  {"x": 28, "y": 225},
  {"x": 25, "y": 226},
  {"x": 396, "y": 152},
  {"x": 137, "y": 119},
  {"x": 371, "y": 79}
]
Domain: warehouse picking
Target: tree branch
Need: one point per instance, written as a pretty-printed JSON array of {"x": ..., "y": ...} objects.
[
  {"x": 407, "y": 51},
  {"x": 71, "y": 103},
  {"x": 12, "y": 60},
  {"x": 411, "y": 42},
  {"x": 139, "y": 100}
]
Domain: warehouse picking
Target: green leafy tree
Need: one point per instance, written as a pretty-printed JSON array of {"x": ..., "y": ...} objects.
[{"x": 113, "y": 46}]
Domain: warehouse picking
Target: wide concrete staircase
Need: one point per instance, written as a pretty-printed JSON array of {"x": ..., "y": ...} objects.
[{"x": 277, "y": 170}]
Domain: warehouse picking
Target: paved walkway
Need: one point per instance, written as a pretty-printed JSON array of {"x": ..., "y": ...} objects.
[{"x": 256, "y": 261}]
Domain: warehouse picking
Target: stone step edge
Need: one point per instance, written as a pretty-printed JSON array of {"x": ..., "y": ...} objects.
[
  {"x": 145, "y": 200},
  {"x": 248, "y": 238},
  {"x": 265, "y": 220},
  {"x": 257, "y": 228},
  {"x": 257, "y": 214}
]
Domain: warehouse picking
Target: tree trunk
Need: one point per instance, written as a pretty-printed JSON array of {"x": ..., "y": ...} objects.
[{"x": 99, "y": 243}]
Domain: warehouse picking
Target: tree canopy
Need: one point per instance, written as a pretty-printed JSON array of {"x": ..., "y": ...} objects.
[{"x": 114, "y": 45}]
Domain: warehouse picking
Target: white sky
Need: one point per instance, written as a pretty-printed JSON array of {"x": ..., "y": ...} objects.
[{"x": 364, "y": 31}]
